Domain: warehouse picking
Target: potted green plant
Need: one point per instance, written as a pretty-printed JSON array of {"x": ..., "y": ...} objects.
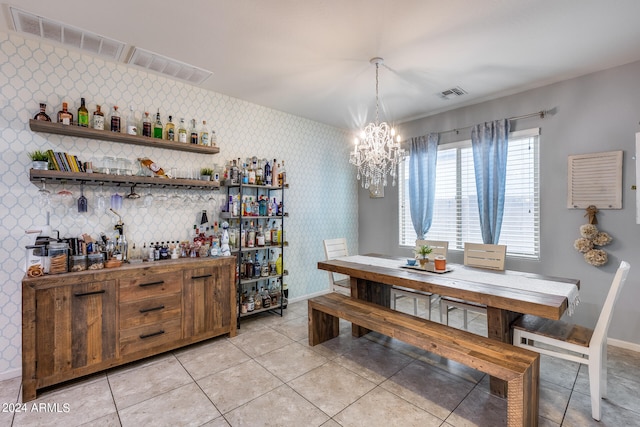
[
  {"x": 39, "y": 160},
  {"x": 205, "y": 174},
  {"x": 422, "y": 252}
]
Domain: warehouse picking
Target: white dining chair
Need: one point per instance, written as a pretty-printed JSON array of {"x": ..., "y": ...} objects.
[
  {"x": 438, "y": 247},
  {"x": 559, "y": 338},
  {"x": 336, "y": 248},
  {"x": 475, "y": 255}
]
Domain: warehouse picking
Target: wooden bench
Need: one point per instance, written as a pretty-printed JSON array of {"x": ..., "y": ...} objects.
[{"x": 520, "y": 369}]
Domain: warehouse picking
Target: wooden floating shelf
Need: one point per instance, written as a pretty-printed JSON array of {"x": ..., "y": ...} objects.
[
  {"x": 52, "y": 177},
  {"x": 106, "y": 135}
]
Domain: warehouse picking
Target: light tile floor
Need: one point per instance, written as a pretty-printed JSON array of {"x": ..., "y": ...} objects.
[{"x": 269, "y": 376}]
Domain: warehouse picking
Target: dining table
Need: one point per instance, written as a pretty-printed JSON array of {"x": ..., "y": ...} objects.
[{"x": 507, "y": 294}]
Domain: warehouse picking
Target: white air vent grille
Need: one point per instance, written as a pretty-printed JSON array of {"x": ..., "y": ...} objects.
[
  {"x": 29, "y": 23},
  {"x": 595, "y": 179},
  {"x": 161, "y": 64},
  {"x": 452, "y": 93}
]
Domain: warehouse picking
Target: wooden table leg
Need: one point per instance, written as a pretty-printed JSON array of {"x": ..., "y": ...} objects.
[
  {"x": 375, "y": 292},
  {"x": 499, "y": 329}
]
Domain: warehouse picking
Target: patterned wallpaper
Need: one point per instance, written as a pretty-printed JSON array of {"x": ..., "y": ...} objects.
[{"x": 322, "y": 201}]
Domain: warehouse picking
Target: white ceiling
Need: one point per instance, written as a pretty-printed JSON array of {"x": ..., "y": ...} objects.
[{"x": 311, "y": 57}]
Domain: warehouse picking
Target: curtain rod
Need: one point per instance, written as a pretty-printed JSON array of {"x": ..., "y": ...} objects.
[{"x": 541, "y": 114}]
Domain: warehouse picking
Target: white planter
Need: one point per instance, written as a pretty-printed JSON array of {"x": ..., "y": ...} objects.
[{"x": 38, "y": 165}]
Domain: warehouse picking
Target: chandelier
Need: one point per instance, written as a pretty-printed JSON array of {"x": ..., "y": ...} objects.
[{"x": 377, "y": 152}]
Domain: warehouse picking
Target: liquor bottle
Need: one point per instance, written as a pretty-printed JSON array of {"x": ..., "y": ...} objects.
[
  {"x": 153, "y": 167},
  {"x": 257, "y": 267},
  {"x": 279, "y": 264},
  {"x": 156, "y": 252},
  {"x": 64, "y": 116},
  {"x": 204, "y": 134},
  {"x": 234, "y": 172},
  {"x": 245, "y": 174},
  {"x": 274, "y": 234},
  {"x": 157, "y": 126},
  {"x": 151, "y": 253},
  {"x": 250, "y": 303},
  {"x": 170, "y": 130},
  {"x": 259, "y": 174},
  {"x": 274, "y": 173},
  {"x": 266, "y": 299},
  {"x": 264, "y": 271},
  {"x": 115, "y": 120},
  {"x": 83, "y": 114},
  {"x": 258, "y": 299},
  {"x": 98, "y": 118},
  {"x": 248, "y": 267},
  {"x": 267, "y": 236},
  {"x": 193, "y": 132},
  {"x": 282, "y": 176},
  {"x": 260, "y": 239},
  {"x": 42, "y": 115},
  {"x": 213, "y": 138},
  {"x": 146, "y": 125},
  {"x": 251, "y": 172},
  {"x": 267, "y": 173},
  {"x": 132, "y": 126},
  {"x": 251, "y": 236},
  {"x": 182, "y": 131}
]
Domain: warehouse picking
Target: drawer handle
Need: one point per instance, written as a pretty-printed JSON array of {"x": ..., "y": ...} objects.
[
  {"x": 146, "y": 310},
  {"x": 84, "y": 294},
  {"x": 142, "y": 285},
  {"x": 153, "y": 334},
  {"x": 201, "y": 277}
]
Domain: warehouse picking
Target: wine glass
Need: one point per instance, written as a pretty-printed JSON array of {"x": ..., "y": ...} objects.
[
  {"x": 101, "y": 199},
  {"x": 147, "y": 201},
  {"x": 82, "y": 201},
  {"x": 44, "y": 196}
]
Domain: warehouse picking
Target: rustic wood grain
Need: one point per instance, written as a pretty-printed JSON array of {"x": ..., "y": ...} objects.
[{"x": 520, "y": 369}]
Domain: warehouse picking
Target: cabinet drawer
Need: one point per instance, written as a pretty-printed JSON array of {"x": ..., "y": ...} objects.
[
  {"x": 149, "y": 336},
  {"x": 150, "y": 285},
  {"x": 151, "y": 310}
]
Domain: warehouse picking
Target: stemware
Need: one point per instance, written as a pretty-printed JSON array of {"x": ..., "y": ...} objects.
[
  {"x": 82, "y": 201},
  {"x": 44, "y": 199},
  {"x": 101, "y": 199},
  {"x": 147, "y": 201}
]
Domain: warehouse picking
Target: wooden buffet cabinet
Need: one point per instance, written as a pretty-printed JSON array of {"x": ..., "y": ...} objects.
[{"x": 80, "y": 323}]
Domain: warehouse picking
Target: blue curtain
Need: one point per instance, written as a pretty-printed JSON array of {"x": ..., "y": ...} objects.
[
  {"x": 489, "y": 142},
  {"x": 422, "y": 181}
]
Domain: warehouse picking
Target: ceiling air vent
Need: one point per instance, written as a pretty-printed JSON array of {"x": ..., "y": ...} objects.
[
  {"x": 454, "y": 92},
  {"x": 26, "y": 22},
  {"x": 170, "y": 67}
]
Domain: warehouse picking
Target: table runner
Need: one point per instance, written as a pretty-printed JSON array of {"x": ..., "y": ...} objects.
[{"x": 496, "y": 278}]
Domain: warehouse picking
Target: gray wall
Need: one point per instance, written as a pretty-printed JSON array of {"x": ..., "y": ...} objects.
[{"x": 593, "y": 113}]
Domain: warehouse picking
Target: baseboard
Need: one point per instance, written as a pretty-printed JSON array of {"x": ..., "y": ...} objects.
[
  {"x": 623, "y": 344},
  {"x": 306, "y": 297},
  {"x": 7, "y": 375}
]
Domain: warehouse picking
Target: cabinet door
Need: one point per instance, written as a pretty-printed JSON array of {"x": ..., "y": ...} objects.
[
  {"x": 75, "y": 326},
  {"x": 208, "y": 301}
]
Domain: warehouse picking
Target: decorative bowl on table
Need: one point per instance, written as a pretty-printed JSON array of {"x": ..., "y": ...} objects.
[{"x": 411, "y": 261}]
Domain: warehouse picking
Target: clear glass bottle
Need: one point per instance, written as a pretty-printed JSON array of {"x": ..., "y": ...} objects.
[
  {"x": 64, "y": 116},
  {"x": 251, "y": 306},
  {"x": 182, "y": 131},
  {"x": 132, "y": 125},
  {"x": 258, "y": 299},
  {"x": 42, "y": 115},
  {"x": 213, "y": 138},
  {"x": 282, "y": 175},
  {"x": 147, "y": 127},
  {"x": 260, "y": 240},
  {"x": 259, "y": 173},
  {"x": 267, "y": 172},
  {"x": 83, "y": 114},
  {"x": 204, "y": 134},
  {"x": 274, "y": 233},
  {"x": 98, "y": 118},
  {"x": 193, "y": 132},
  {"x": 115, "y": 120},
  {"x": 251, "y": 236},
  {"x": 170, "y": 130},
  {"x": 257, "y": 267},
  {"x": 158, "y": 127}
]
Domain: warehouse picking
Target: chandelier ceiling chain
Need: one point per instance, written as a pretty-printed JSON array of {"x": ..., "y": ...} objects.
[{"x": 377, "y": 153}]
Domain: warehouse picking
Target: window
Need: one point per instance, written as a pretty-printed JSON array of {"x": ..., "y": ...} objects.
[{"x": 455, "y": 217}]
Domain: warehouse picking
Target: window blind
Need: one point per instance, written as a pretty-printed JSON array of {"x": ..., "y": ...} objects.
[{"x": 456, "y": 217}]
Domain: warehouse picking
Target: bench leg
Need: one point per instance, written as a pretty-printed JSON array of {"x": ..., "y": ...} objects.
[
  {"x": 522, "y": 398},
  {"x": 322, "y": 326}
]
